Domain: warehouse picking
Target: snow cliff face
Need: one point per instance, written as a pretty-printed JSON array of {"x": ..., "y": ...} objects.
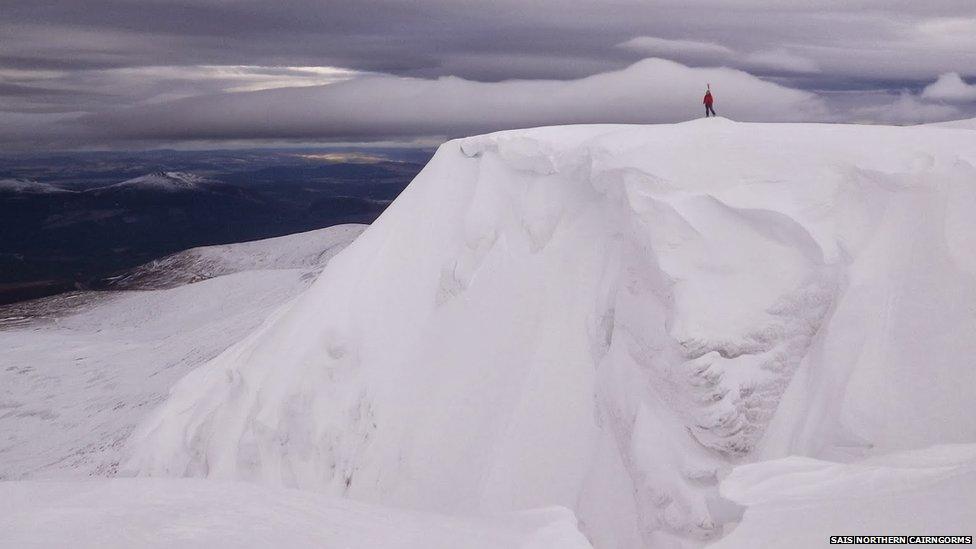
[{"x": 607, "y": 318}]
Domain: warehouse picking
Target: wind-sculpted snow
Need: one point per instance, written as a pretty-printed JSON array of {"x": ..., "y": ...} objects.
[{"x": 608, "y": 318}]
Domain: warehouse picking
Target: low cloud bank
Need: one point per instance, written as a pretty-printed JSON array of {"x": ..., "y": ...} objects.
[
  {"x": 775, "y": 60},
  {"x": 653, "y": 90},
  {"x": 952, "y": 88},
  {"x": 371, "y": 108}
]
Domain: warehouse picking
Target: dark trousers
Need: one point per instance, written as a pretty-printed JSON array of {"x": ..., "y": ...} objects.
[{"x": 708, "y": 108}]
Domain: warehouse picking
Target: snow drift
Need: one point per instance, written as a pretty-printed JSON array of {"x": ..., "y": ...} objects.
[
  {"x": 194, "y": 514},
  {"x": 80, "y": 370},
  {"x": 608, "y": 318}
]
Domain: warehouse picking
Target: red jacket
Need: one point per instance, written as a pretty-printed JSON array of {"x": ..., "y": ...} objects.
[{"x": 708, "y": 98}]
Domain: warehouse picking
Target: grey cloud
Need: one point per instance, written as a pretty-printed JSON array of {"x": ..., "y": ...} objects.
[
  {"x": 434, "y": 37},
  {"x": 678, "y": 49},
  {"x": 950, "y": 87},
  {"x": 110, "y": 54},
  {"x": 906, "y": 109},
  {"x": 17, "y": 90},
  {"x": 711, "y": 53},
  {"x": 653, "y": 90}
]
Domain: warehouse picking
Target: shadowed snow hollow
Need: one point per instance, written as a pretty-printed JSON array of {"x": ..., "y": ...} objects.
[{"x": 607, "y": 318}]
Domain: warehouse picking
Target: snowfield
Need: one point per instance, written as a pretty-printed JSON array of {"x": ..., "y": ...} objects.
[
  {"x": 746, "y": 335},
  {"x": 169, "y": 182},
  {"x": 798, "y": 502},
  {"x": 75, "y": 379},
  {"x": 195, "y": 514}
]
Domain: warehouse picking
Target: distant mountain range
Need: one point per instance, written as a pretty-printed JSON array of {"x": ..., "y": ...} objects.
[
  {"x": 157, "y": 181},
  {"x": 163, "y": 181},
  {"x": 56, "y": 237},
  {"x": 28, "y": 186}
]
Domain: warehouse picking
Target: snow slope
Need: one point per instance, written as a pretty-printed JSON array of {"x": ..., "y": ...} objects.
[
  {"x": 75, "y": 379},
  {"x": 188, "y": 514},
  {"x": 609, "y": 318},
  {"x": 966, "y": 124},
  {"x": 799, "y": 502}
]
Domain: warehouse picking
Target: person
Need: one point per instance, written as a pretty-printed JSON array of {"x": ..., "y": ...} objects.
[{"x": 708, "y": 103}]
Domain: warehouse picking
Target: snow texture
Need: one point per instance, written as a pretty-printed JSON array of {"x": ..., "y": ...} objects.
[
  {"x": 799, "y": 502},
  {"x": 76, "y": 378},
  {"x": 195, "y": 514},
  {"x": 966, "y": 124},
  {"x": 609, "y": 319}
]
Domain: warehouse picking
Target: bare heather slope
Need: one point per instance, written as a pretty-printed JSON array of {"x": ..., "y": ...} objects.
[{"x": 609, "y": 319}]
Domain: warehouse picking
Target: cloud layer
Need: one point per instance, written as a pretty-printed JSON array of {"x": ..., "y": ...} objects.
[
  {"x": 652, "y": 90},
  {"x": 950, "y": 87},
  {"x": 709, "y": 53},
  {"x": 64, "y": 59}
]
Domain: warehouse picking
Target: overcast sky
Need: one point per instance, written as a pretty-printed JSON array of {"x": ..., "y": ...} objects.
[{"x": 138, "y": 73}]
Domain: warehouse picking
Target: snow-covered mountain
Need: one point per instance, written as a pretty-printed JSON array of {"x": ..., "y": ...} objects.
[
  {"x": 79, "y": 371},
  {"x": 28, "y": 186},
  {"x": 709, "y": 333},
  {"x": 610, "y": 319},
  {"x": 163, "y": 181}
]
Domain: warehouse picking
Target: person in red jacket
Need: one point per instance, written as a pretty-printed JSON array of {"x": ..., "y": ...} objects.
[{"x": 708, "y": 103}]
